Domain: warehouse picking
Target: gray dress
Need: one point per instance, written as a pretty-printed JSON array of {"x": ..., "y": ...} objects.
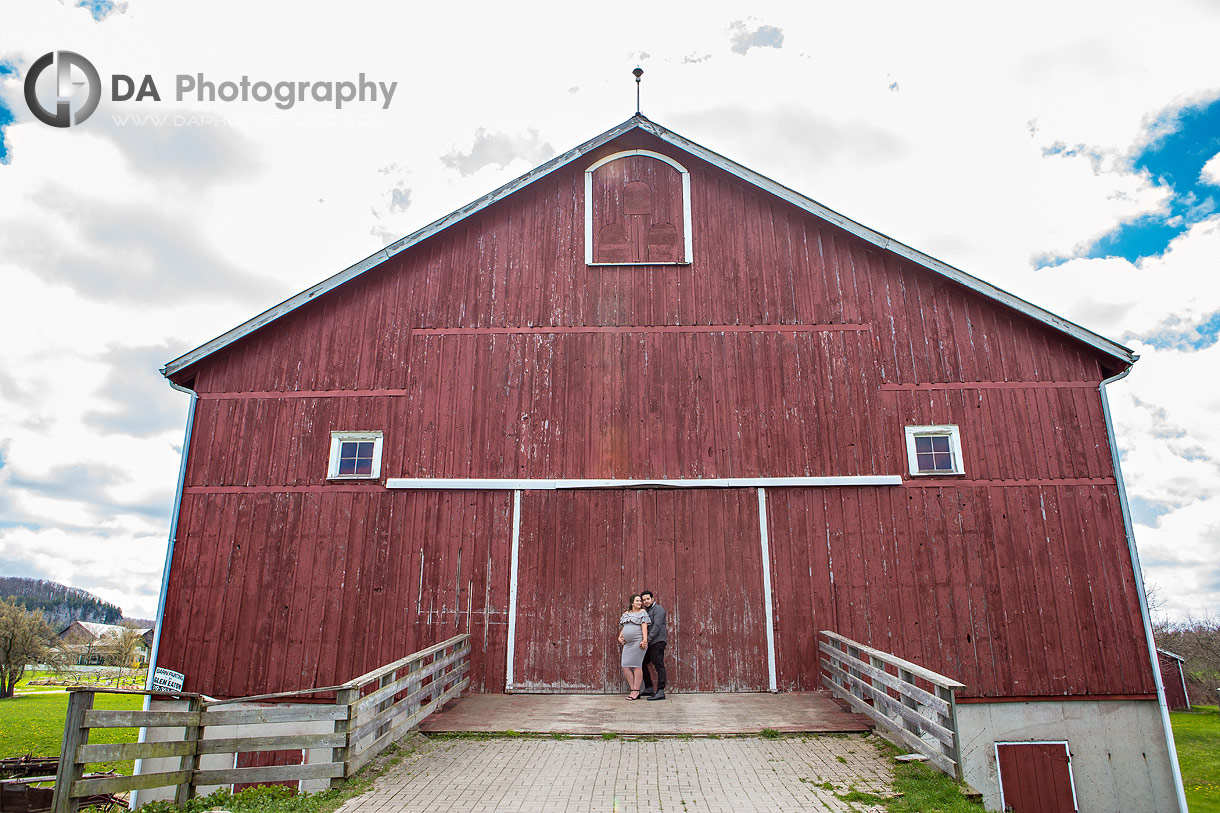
[{"x": 633, "y": 633}]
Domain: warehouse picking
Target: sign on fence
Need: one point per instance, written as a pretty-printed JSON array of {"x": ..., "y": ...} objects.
[{"x": 167, "y": 680}]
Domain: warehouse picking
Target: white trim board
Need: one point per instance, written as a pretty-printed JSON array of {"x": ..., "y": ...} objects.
[
  {"x": 764, "y": 539},
  {"x": 512, "y": 593},
  {"x": 1088, "y": 337},
  {"x": 493, "y": 484}
]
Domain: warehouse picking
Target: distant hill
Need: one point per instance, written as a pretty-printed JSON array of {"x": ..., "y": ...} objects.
[{"x": 58, "y": 603}]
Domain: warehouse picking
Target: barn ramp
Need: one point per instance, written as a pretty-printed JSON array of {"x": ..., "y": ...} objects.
[{"x": 679, "y": 714}]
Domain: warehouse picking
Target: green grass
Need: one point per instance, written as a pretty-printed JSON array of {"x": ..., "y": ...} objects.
[
  {"x": 34, "y": 724},
  {"x": 1197, "y": 735},
  {"x": 31, "y": 675},
  {"x": 918, "y": 788},
  {"x": 927, "y": 790}
]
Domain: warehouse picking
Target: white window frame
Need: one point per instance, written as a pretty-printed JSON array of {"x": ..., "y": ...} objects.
[
  {"x": 337, "y": 439},
  {"x": 955, "y": 448},
  {"x": 687, "y": 238}
]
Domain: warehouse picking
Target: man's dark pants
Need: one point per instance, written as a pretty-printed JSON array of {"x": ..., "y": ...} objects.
[{"x": 655, "y": 655}]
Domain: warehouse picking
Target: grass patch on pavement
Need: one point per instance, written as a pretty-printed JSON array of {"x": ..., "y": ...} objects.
[
  {"x": 1197, "y": 736},
  {"x": 34, "y": 724},
  {"x": 918, "y": 788},
  {"x": 926, "y": 790}
]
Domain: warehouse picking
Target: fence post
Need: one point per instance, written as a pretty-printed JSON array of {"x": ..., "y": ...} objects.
[
  {"x": 190, "y": 762},
  {"x": 75, "y": 735},
  {"x": 413, "y": 686},
  {"x": 950, "y": 722},
  {"x": 344, "y": 698},
  {"x": 906, "y": 677}
]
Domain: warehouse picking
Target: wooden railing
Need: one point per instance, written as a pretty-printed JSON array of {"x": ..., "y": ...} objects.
[
  {"x": 387, "y": 702},
  {"x": 912, "y": 705},
  {"x": 370, "y": 712}
]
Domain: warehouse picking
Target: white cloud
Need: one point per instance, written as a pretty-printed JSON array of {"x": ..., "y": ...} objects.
[
  {"x": 1211, "y": 171},
  {"x": 1168, "y": 294}
]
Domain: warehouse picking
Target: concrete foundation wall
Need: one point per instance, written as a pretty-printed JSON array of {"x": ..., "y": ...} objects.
[
  {"x": 222, "y": 761},
  {"x": 1120, "y": 760}
]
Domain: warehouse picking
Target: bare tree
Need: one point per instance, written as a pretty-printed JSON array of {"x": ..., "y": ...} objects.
[
  {"x": 25, "y": 639},
  {"x": 124, "y": 646},
  {"x": 1197, "y": 640},
  {"x": 1156, "y": 602}
]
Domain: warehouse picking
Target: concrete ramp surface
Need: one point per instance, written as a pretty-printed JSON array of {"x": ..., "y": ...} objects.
[{"x": 694, "y": 714}]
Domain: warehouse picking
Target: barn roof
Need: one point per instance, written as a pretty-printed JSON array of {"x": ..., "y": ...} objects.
[
  {"x": 1118, "y": 352},
  {"x": 99, "y": 631}
]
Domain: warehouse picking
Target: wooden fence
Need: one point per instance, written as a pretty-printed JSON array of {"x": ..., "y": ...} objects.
[
  {"x": 369, "y": 713},
  {"x": 912, "y": 705}
]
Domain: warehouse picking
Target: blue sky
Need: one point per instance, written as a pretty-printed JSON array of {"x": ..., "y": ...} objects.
[
  {"x": 100, "y": 9},
  {"x": 6, "y": 115},
  {"x": 1173, "y": 160}
]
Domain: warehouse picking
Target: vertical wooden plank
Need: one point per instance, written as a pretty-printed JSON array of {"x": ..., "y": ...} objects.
[
  {"x": 75, "y": 735},
  {"x": 189, "y": 762}
]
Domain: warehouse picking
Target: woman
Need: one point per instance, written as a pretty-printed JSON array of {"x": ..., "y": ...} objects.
[{"x": 633, "y": 635}]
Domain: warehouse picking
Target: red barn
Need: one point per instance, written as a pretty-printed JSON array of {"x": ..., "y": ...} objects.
[
  {"x": 644, "y": 365},
  {"x": 1173, "y": 678}
]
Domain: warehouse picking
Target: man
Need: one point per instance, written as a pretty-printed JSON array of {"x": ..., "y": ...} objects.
[{"x": 656, "y": 647}]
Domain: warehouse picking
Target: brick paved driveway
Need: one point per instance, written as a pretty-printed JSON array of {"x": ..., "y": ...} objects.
[{"x": 701, "y": 775}]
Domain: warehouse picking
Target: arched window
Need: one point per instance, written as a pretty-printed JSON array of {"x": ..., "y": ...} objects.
[{"x": 637, "y": 210}]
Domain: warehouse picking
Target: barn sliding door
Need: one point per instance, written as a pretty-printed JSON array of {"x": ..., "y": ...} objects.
[{"x": 582, "y": 552}]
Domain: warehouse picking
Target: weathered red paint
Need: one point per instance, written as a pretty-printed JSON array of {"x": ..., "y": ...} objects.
[
  {"x": 583, "y": 553},
  {"x": 637, "y": 211},
  {"x": 1036, "y": 777},
  {"x": 787, "y": 347},
  {"x": 1172, "y": 680},
  {"x": 302, "y": 590}
]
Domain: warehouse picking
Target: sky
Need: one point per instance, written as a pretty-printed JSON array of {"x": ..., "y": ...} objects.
[{"x": 1068, "y": 153}]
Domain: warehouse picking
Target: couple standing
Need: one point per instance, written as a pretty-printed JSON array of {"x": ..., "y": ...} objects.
[{"x": 641, "y": 631}]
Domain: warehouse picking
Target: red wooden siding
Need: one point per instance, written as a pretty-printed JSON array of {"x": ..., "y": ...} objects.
[
  {"x": 786, "y": 348},
  {"x": 649, "y": 405},
  {"x": 1012, "y": 591},
  {"x": 266, "y": 759},
  {"x": 280, "y": 591},
  {"x": 1036, "y": 777},
  {"x": 758, "y": 261},
  {"x": 637, "y": 212},
  {"x": 582, "y": 553},
  {"x": 1171, "y": 679}
]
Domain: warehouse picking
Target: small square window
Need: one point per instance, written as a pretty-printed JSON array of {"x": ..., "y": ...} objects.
[
  {"x": 933, "y": 450},
  {"x": 354, "y": 456}
]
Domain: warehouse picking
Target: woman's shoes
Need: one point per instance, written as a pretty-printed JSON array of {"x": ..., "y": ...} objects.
[{"x": 637, "y": 696}]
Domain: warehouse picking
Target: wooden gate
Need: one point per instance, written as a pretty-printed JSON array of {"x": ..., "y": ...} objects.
[{"x": 582, "y": 552}]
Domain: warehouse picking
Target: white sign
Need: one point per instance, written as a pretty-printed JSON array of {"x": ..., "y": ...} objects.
[{"x": 167, "y": 680}]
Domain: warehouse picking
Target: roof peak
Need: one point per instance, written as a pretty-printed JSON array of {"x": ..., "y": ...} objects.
[{"x": 642, "y": 122}]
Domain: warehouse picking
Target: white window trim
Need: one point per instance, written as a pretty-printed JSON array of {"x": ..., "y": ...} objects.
[
  {"x": 336, "y": 442},
  {"x": 687, "y": 240},
  {"x": 955, "y": 448}
]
